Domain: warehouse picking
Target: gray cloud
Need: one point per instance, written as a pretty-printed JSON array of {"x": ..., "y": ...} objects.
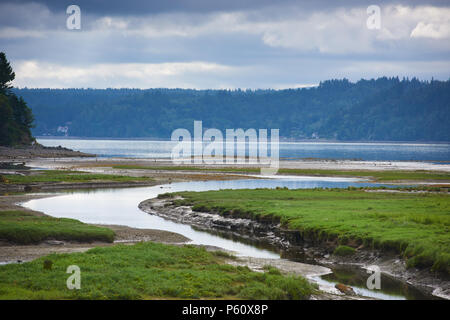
[
  {"x": 255, "y": 44},
  {"x": 146, "y": 7}
]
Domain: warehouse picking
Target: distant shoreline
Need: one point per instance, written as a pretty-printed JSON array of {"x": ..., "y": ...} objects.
[{"x": 281, "y": 140}]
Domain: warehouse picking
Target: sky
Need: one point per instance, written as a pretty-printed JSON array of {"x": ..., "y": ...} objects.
[{"x": 222, "y": 44}]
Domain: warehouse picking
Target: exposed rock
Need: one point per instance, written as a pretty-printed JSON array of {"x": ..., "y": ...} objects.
[
  {"x": 345, "y": 289},
  {"x": 55, "y": 242}
]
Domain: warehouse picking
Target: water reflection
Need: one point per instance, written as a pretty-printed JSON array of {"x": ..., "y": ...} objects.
[
  {"x": 391, "y": 289},
  {"x": 119, "y": 206}
]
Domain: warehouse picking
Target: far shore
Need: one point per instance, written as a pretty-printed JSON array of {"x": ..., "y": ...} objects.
[
  {"x": 282, "y": 140},
  {"x": 313, "y": 164}
]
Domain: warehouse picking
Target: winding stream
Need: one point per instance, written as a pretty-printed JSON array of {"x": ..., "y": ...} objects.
[{"x": 120, "y": 206}]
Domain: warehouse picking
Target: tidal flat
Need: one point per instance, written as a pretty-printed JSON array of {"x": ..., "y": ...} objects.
[{"x": 416, "y": 211}]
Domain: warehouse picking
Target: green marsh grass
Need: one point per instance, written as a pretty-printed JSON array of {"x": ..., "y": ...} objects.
[
  {"x": 23, "y": 227},
  {"x": 344, "y": 251},
  {"x": 66, "y": 176},
  {"x": 146, "y": 271},
  {"x": 385, "y": 175},
  {"x": 415, "y": 225}
]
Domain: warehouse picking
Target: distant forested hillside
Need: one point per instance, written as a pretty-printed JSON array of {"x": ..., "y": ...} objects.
[{"x": 381, "y": 109}]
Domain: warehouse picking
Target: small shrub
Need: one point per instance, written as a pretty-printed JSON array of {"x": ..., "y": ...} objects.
[
  {"x": 271, "y": 270},
  {"x": 344, "y": 251},
  {"x": 223, "y": 254}
]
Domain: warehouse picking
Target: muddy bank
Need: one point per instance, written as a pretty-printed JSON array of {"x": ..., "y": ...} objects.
[
  {"x": 11, "y": 202},
  {"x": 153, "y": 180},
  {"x": 294, "y": 245},
  {"x": 127, "y": 234},
  {"x": 317, "y": 164},
  {"x": 244, "y": 228},
  {"x": 38, "y": 151},
  {"x": 58, "y": 186},
  {"x": 22, "y": 253},
  {"x": 150, "y": 168}
]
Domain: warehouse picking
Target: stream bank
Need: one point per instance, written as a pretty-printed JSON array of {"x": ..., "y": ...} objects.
[{"x": 293, "y": 246}]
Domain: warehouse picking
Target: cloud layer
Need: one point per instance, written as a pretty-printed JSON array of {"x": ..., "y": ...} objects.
[{"x": 209, "y": 44}]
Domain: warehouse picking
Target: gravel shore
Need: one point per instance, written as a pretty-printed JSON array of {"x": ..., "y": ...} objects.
[{"x": 38, "y": 151}]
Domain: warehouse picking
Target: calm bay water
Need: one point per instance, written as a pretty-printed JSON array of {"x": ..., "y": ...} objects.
[{"x": 288, "y": 150}]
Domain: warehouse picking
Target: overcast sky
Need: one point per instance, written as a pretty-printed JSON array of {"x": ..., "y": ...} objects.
[{"x": 222, "y": 44}]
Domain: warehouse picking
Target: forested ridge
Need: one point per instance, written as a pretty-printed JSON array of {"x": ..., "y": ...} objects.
[{"x": 383, "y": 109}]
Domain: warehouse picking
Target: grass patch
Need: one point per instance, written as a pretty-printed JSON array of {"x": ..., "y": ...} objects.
[
  {"x": 66, "y": 176},
  {"x": 344, "y": 251},
  {"x": 224, "y": 254},
  {"x": 26, "y": 228},
  {"x": 386, "y": 175},
  {"x": 271, "y": 270},
  {"x": 415, "y": 225},
  {"x": 144, "y": 271}
]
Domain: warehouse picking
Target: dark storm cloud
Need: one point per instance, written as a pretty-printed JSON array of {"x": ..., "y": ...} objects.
[{"x": 145, "y": 7}]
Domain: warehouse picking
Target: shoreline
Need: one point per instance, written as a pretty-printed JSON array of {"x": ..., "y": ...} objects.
[
  {"x": 21, "y": 153},
  {"x": 282, "y": 139}
]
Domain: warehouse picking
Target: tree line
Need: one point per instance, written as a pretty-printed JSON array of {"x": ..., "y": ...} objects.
[{"x": 383, "y": 109}]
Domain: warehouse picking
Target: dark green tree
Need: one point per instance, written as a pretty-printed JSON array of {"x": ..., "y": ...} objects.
[
  {"x": 6, "y": 120},
  {"x": 16, "y": 119},
  {"x": 6, "y": 73}
]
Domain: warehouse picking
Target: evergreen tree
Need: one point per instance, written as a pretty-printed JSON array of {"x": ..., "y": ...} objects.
[
  {"x": 16, "y": 119},
  {"x": 6, "y": 73}
]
